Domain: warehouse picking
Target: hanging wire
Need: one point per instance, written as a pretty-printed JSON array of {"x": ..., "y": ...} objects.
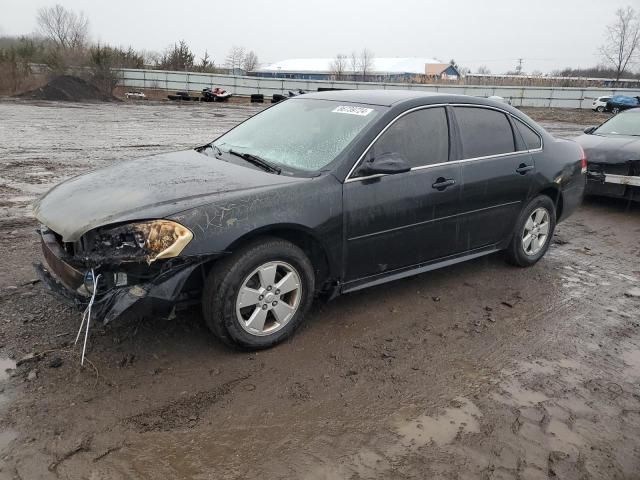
[{"x": 86, "y": 315}]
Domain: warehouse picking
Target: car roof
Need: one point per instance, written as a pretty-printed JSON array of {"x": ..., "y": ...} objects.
[
  {"x": 385, "y": 98},
  {"x": 408, "y": 99}
]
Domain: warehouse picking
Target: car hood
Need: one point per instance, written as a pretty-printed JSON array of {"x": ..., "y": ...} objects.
[
  {"x": 612, "y": 150},
  {"x": 145, "y": 188}
]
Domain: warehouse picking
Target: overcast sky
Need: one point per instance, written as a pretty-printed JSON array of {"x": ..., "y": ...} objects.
[{"x": 547, "y": 34}]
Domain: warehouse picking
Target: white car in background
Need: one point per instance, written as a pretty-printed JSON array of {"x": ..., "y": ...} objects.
[
  {"x": 600, "y": 104},
  {"x": 135, "y": 95}
]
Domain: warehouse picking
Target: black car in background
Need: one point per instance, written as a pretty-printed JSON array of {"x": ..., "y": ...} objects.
[
  {"x": 613, "y": 154},
  {"x": 618, "y": 103},
  {"x": 327, "y": 193}
]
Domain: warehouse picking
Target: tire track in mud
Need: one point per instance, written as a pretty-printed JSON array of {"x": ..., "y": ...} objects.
[{"x": 181, "y": 413}]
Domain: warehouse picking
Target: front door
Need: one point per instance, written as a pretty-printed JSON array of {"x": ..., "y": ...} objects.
[{"x": 399, "y": 220}]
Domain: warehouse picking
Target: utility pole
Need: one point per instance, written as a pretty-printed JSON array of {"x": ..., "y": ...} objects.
[{"x": 519, "y": 66}]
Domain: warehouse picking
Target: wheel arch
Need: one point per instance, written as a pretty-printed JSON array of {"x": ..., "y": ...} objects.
[
  {"x": 555, "y": 194},
  {"x": 304, "y": 238}
]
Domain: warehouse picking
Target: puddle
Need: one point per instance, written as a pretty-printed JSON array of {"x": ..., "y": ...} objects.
[
  {"x": 6, "y": 364},
  {"x": 563, "y": 435},
  {"x": 364, "y": 464},
  {"x": 516, "y": 395},
  {"x": 21, "y": 198},
  {"x": 632, "y": 359},
  {"x": 569, "y": 363},
  {"x": 441, "y": 429},
  {"x": 6, "y": 437},
  {"x": 539, "y": 367}
]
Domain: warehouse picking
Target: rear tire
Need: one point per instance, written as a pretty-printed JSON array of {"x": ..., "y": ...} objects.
[
  {"x": 533, "y": 232},
  {"x": 242, "y": 302}
]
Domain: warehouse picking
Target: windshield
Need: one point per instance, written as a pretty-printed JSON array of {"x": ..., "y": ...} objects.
[
  {"x": 627, "y": 123},
  {"x": 303, "y": 134}
]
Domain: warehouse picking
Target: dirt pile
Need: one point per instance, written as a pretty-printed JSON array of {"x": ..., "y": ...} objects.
[{"x": 67, "y": 88}]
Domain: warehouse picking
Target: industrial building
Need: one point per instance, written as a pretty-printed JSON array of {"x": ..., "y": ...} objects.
[{"x": 382, "y": 69}]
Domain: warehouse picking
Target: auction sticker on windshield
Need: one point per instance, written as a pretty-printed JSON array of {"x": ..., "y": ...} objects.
[{"x": 362, "y": 111}]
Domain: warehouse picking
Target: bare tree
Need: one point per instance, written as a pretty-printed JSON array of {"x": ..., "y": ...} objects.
[
  {"x": 483, "y": 70},
  {"x": 250, "y": 61},
  {"x": 338, "y": 66},
  {"x": 235, "y": 58},
  {"x": 354, "y": 65},
  {"x": 151, "y": 57},
  {"x": 621, "y": 46},
  {"x": 66, "y": 29},
  {"x": 366, "y": 63}
]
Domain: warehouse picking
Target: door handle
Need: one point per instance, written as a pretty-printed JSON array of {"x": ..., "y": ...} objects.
[
  {"x": 524, "y": 168},
  {"x": 441, "y": 183}
]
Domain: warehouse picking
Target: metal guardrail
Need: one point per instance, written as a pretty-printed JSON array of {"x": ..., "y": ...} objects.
[{"x": 558, "y": 97}]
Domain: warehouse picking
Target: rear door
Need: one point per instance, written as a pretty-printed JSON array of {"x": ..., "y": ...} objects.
[
  {"x": 396, "y": 221},
  {"x": 497, "y": 172}
]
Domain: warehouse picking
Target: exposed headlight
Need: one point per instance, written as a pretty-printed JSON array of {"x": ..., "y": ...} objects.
[
  {"x": 152, "y": 240},
  {"x": 162, "y": 238}
]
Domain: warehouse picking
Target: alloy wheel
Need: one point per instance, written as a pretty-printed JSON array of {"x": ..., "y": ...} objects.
[
  {"x": 536, "y": 231},
  {"x": 268, "y": 298}
]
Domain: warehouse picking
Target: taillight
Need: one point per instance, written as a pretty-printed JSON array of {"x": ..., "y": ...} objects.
[{"x": 583, "y": 160}]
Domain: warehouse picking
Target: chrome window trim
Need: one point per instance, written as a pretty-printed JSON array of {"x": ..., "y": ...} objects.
[{"x": 350, "y": 179}]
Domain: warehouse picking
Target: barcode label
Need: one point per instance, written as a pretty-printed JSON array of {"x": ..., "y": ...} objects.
[{"x": 362, "y": 111}]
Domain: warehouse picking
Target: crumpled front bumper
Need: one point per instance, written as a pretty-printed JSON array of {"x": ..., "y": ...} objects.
[{"x": 66, "y": 282}]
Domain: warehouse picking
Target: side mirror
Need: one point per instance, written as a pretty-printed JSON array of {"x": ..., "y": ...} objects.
[
  {"x": 589, "y": 130},
  {"x": 387, "y": 164}
]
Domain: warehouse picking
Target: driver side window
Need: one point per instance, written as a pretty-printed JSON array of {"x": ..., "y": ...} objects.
[{"x": 420, "y": 137}]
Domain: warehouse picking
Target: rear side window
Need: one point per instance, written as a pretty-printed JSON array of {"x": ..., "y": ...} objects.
[
  {"x": 530, "y": 138},
  {"x": 484, "y": 132},
  {"x": 421, "y": 137}
]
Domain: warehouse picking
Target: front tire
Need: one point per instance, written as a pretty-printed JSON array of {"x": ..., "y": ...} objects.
[
  {"x": 258, "y": 296},
  {"x": 600, "y": 109},
  {"x": 533, "y": 232}
]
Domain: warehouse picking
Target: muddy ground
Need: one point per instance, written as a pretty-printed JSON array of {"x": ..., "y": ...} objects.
[{"x": 480, "y": 370}]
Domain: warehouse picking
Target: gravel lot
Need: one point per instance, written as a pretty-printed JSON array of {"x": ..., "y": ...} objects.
[{"x": 480, "y": 370}]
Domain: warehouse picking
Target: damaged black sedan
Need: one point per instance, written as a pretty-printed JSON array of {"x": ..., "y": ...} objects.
[
  {"x": 325, "y": 193},
  {"x": 613, "y": 153}
]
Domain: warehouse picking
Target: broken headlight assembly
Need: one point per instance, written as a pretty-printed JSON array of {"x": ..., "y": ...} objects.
[{"x": 150, "y": 241}]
